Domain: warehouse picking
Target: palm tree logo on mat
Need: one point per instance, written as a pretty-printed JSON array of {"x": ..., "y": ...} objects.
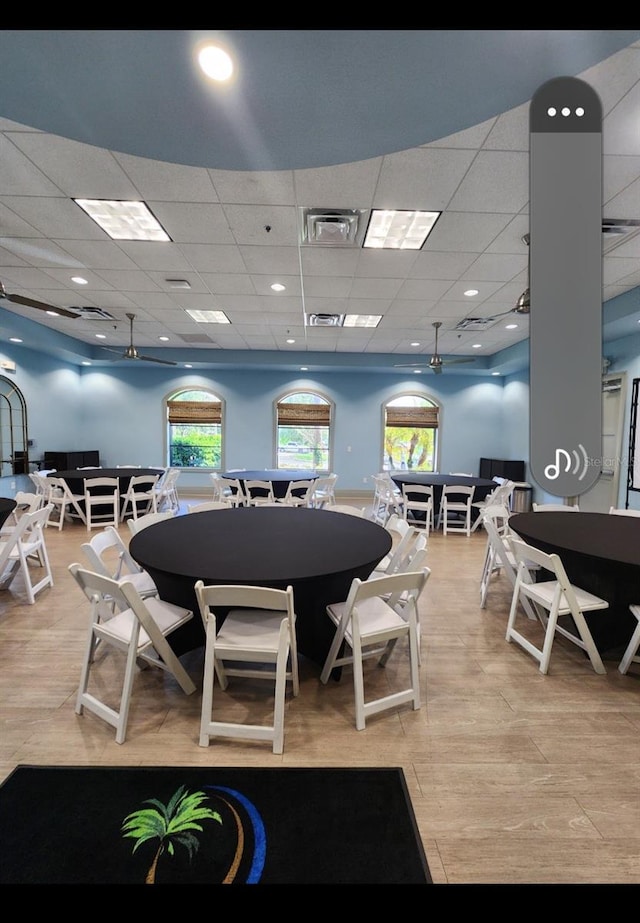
[{"x": 178, "y": 822}]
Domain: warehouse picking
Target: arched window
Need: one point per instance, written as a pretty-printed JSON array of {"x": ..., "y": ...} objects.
[
  {"x": 303, "y": 431},
  {"x": 410, "y": 434},
  {"x": 14, "y": 457},
  {"x": 194, "y": 418}
]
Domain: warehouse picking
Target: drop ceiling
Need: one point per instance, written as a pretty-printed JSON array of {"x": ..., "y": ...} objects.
[{"x": 275, "y": 183}]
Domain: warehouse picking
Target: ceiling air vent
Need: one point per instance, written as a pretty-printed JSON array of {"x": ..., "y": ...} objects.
[
  {"x": 93, "y": 313},
  {"x": 330, "y": 227},
  {"x": 325, "y": 320},
  {"x": 475, "y": 323}
]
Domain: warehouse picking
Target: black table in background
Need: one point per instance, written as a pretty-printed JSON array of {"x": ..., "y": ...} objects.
[
  {"x": 317, "y": 552},
  {"x": 279, "y": 477},
  {"x": 600, "y": 553},
  {"x": 483, "y": 486},
  {"x": 7, "y": 506}
]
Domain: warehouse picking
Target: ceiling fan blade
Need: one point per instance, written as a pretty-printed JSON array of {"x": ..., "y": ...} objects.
[
  {"x": 39, "y": 305},
  {"x": 455, "y": 361},
  {"x": 152, "y": 359}
]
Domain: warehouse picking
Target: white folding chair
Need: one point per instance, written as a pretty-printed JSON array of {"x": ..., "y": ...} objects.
[
  {"x": 367, "y": 625},
  {"x": 101, "y": 502},
  {"x": 324, "y": 491},
  {"x": 455, "y": 508},
  {"x": 256, "y": 640},
  {"x": 166, "y": 490},
  {"x": 140, "y": 497},
  {"x": 619, "y": 511},
  {"x": 23, "y": 549},
  {"x": 298, "y": 493},
  {"x": 418, "y": 499},
  {"x": 499, "y": 558},
  {"x": 631, "y": 653},
  {"x": 258, "y": 492},
  {"x": 231, "y": 491},
  {"x": 65, "y": 502},
  {"x": 25, "y": 503},
  {"x": 207, "y": 505},
  {"x": 139, "y": 629},
  {"x": 108, "y": 555},
  {"x": 556, "y": 508},
  {"x": 499, "y": 496},
  {"x": 137, "y": 525},
  {"x": 552, "y": 599}
]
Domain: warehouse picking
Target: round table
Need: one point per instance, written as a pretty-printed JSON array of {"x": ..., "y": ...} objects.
[
  {"x": 317, "y": 552},
  {"x": 600, "y": 553},
  {"x": 483, "y": 486},
  {"x": 280, "y": 478},
  {"x": 7, "y": 506},
  {"x": 75, "y": 477}
]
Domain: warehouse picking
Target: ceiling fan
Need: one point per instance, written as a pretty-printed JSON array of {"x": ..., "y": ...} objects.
[
  {"x": 32, "y": 303},
  {"x": 132, "y": 353},
  {"x": 436, "y": 361}
]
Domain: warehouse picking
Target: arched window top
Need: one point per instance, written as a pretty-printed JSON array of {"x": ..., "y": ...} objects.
[
  {"x": 303, "y": 397},
  {"x": 411, "y": 400},
  {"x": 193, "y": 394}
]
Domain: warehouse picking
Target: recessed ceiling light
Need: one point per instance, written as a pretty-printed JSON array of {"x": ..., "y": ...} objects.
[
  {"x": 477, "y": 346},
  {"x": 124, "y": 220},
  {"x": 79, "y": 280},
  {"x": 495, "y": 373},
  {"x": 84, "y": 362},
  {"x": 415, "y": 344},
  {"x": 15, "y": 340},
  {"x": 164, "y": 339},
  {"x": 101, "y": 336},
  {"x": 188, "y": 366},
  {"x": 209, "y": 317},
  {"x": 510, "y": 326},
  {"x": 215, "y": 62},
  {"x": 278, "y": 287},
  {"x": 52, "y": 313},
  {"x": 399, "y": 230},
  {"x": 290, "y": 340},
  {"x": 470, "y": 292},
  {"x": 417, "y": 371},
  {"x": 304, "y": 368}
]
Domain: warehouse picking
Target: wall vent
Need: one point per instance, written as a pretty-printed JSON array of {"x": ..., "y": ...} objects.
[{"x": 475, "y": 323}]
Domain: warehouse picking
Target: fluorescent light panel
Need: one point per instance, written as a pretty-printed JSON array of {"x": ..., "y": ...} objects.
[
  {"x": 209, "y": 317},
  {"x": 399, "y": 230},
  {"x": 124, "y": 220},
  {"x": 361, "y": 320}
]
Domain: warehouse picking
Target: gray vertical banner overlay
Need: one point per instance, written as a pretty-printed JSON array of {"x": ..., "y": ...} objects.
[{"x": 565, "y": 281}]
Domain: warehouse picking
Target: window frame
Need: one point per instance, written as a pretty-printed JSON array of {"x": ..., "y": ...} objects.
[
  {"x": 431, "y": 403},
  {"x": 212, "y": 398},
  {"x": 322, "y": 401}
]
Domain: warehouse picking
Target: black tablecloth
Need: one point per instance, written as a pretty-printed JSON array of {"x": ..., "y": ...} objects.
[
  {"x": 75, "y": 477},
  {"x": 279, "y": 477},
  {"x": 6, "y": 508},
  {"x": 600, "y": 553},
  {"x": 316, "y": 551}
]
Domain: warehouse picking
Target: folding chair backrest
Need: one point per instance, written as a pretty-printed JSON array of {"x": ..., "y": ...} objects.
[
  {"x": 228, "y": 596},
  {"x": 148, "y": 519},
  {"x": 108, "y": 555}
]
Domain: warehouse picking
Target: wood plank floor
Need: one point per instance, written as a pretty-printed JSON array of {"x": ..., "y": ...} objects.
[{"x": 515, "y": 777}]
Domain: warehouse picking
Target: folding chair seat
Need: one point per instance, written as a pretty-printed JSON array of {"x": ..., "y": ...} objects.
[
  {"x": 101, "y": 502},
  {"x": 455, "y": 508},
  {"x": 552, "y": 600},
  {"x": 631, "y": 653},
  {"x": 258, "y": 492},
  {"x": 417, "y": 505},
  {"x": 140, "y": 496},
  {"x": 139, "y": 629},
  {"x": 108, "y": 555},
  {"x": 24, "y": 549},
  {"x": 256, "y": 640},
  {"x": 367, "y": 625},
  {"x": 298, "y": 493},
  {"x": 137, "y": 525},
  {"x": 65, "y": 502}
]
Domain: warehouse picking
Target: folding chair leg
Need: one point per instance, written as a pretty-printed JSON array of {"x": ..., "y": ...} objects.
[{"x": 631, "y": 650}]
